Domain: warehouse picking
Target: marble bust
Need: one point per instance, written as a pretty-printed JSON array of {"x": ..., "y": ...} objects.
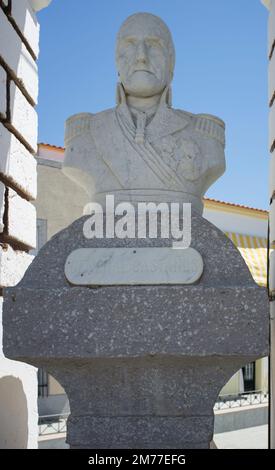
[{"x": 143, "y": 149}]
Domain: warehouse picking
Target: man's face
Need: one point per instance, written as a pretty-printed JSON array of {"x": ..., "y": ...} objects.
[{"x": 143, "y": 59}]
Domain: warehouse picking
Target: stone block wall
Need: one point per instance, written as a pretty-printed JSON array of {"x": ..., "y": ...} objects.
[
  {"x": 19, "y": 35},
  {"x": 19, "y": 49},
  {"x": 271, "y": 95},
  {"x": 270, "y": 4}
]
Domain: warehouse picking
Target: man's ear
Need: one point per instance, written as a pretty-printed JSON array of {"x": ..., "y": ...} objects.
[
  {"x": 119, "y": 93},
  {"x": 169, "y": 96}
]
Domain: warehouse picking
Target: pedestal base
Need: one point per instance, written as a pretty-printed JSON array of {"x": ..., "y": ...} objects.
[{"x": 142, "y": 365}]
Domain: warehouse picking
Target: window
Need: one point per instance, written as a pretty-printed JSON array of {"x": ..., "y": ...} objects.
[
  {"x": 249, "y": 377},
  {"x": 41, "y": 238},
  {"x": 42, "y": 377}
]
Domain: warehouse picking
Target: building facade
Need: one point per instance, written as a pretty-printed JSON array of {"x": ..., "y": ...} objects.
[
  {"x": 19, "y": 48},
  {"x": 270, "y": 4}
]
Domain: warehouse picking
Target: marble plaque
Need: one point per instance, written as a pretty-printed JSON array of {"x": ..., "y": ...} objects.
[{"x": 133, "y": 266}]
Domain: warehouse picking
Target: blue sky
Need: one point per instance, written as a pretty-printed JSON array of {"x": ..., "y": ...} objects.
[{"x": 221, "y": 69}]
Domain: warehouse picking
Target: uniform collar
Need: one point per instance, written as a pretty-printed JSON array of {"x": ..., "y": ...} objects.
[{"x": 166, "y": 120}]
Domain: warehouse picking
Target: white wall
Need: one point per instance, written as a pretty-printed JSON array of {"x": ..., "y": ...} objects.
[
  {"x": 19, "y": 38},
  {"x": 59, "y": 201},
  {"x": 270, "y": 4},
  {"x": 238, "y": 223}
]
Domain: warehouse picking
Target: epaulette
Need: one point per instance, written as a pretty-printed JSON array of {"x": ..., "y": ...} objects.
[
  {"x": 184, "y": 114},
  {"x": 211, "y": 126},
  {"x": 76, "y": 125}
]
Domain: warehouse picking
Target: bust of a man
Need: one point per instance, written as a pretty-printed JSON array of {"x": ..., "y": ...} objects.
[{"x": 144, "y": 150}]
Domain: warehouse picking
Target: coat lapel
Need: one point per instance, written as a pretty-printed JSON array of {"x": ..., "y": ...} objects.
[{"x": 166, "y": 122}]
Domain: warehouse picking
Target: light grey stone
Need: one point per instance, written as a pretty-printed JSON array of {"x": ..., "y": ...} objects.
[
  {"x": 129, "y": 266},
  {"x": 18, "y": 413},
  {"x": 23, "y": 117},
  {"x": 165, "y": 155},
  {"x": 25, "y": 19},
  {"x": 272, "y": 272},
  {"x": 3, "y": 93},
  {"x": 272, "y": 174},
  {"x": 15, "y": 54},
  {"x": 272, "y": 222},
  {"x": 21, "y": 222},
  {"x": 13, "y": 265},
  {"x": 241, "y": 417},
  {"x": 17, "y": 164},
  {"x": 271, "y": 133},
  {"x": 271, "y": 79},
  {"x": 2, "y": 205}
]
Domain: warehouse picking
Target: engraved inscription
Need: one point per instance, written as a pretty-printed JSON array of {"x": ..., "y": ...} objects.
[{"x": 133, "y": 266}]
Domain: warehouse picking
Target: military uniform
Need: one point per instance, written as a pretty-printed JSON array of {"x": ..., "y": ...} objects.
[{"x": 172, "y": 156}]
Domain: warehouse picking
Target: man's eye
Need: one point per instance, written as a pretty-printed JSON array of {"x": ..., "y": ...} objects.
[
  {"x": 130, "y": 42},
  {"x": 153, "y": 43}
]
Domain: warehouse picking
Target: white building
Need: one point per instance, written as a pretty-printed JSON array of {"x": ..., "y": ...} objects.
[
  {"x": 19, "y": 48},
  {"x": 270, "y": 4}
]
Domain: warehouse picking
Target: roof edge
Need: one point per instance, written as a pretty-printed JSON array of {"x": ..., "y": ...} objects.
[
  {"x": 215, "y": 202},
  {"x": 207, "y": 200},
  {"x": 51, "y": 147}
]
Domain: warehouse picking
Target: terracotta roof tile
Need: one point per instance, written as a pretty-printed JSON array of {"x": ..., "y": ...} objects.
[
  {"x": 51, "y": 147},
  {"x": 235, "y": 205}
]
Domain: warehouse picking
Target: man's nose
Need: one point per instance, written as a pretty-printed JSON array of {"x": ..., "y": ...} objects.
[{"x": 141, "y": 54}]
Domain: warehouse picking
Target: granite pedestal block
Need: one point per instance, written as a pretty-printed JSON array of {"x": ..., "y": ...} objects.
[{"x": 142, "y": 365}]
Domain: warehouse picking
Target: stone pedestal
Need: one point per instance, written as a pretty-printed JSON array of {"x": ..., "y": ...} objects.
[{"x": 142, "y": 365}]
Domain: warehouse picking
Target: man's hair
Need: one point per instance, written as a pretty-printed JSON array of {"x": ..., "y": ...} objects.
[{"x": 163, "y": 28}]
